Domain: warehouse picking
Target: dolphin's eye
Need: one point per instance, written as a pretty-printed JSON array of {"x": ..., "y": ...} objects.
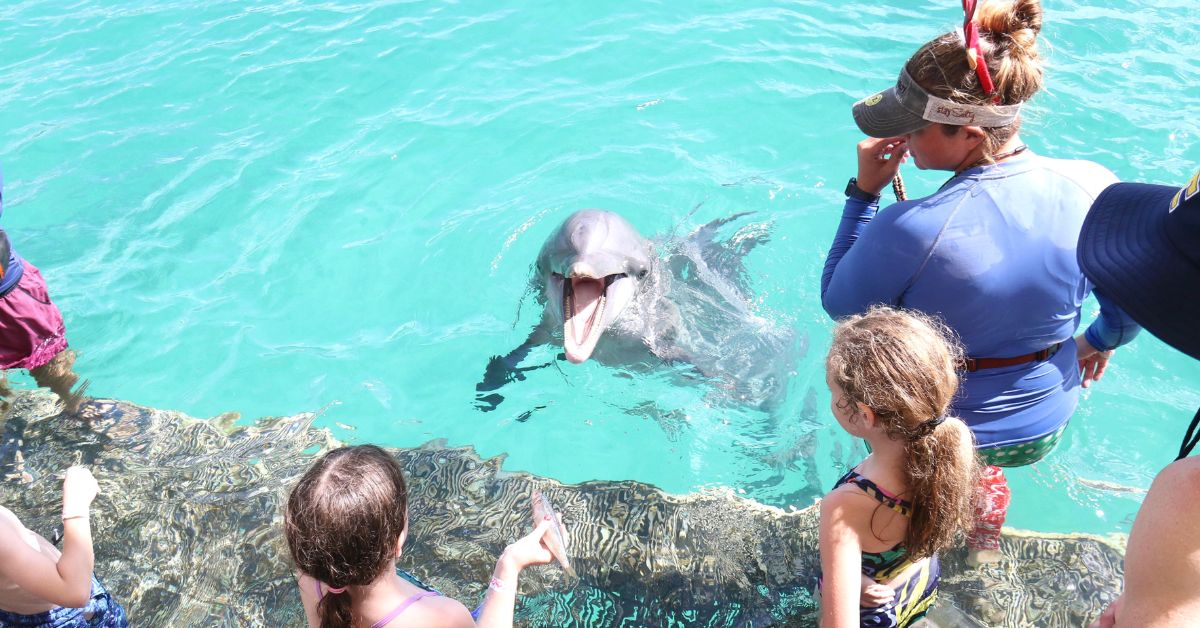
[
  {"x": 556, "y": 275},
  {"x": 642, "y": 273}
]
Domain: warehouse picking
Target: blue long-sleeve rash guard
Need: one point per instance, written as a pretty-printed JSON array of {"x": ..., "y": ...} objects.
[
  {"x": 16, "y": 266},
  {"x": 993, "y": 254}
]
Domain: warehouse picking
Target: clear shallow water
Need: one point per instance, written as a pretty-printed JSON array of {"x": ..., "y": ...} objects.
[{"x": 272, "y": 208}]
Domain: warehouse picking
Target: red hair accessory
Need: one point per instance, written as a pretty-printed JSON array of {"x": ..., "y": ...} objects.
[{"x": 975, "y": 51}]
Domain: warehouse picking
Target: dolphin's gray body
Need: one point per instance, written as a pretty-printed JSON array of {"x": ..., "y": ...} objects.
[{"x": 608, "y": 296}]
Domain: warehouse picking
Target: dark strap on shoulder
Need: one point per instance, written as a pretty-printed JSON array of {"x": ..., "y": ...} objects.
[
  {"x": 872, "y": 489},
  {"x": 1191, "y": 438}
]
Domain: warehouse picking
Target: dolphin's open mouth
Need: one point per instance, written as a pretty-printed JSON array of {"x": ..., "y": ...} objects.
[{"x": 584, "y": 299}]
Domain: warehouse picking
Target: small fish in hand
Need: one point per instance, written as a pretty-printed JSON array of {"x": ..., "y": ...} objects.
[{"x": 556, "y": 539}]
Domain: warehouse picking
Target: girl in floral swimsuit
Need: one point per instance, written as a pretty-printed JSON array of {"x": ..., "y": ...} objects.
[{"x": 892, "y": 375}]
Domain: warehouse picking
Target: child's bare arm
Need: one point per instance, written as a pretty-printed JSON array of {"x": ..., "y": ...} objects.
[
  {"x": 529, "y": 550},
  {"x": 841, "y": 560},
  {"x": 68, "y": 582}
]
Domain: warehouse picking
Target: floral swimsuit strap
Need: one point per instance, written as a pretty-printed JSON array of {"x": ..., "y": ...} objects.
[{"x": 882, "y": 496}]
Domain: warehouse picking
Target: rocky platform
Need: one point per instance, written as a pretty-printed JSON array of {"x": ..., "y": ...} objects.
[{"x": 187, "y": 532}]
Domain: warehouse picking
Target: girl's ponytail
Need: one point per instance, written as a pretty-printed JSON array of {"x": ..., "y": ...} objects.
[
  {"x": 942, "y": 471},
  {"x": 336, "y": 610}
]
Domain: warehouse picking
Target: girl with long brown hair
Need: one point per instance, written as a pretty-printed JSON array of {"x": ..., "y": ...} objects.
[
  {"x": 892, "y": 375},
  {"x": 346, "y": 522}
]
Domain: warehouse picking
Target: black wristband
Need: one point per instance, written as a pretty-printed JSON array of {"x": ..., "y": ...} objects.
[{"x": 857, "y": 193}]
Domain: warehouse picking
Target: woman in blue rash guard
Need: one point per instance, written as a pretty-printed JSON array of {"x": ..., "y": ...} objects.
[{"x": 992, "y": 252}]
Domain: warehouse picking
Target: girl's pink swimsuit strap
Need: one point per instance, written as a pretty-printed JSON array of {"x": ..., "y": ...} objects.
[{"x": 396, "y": 612}]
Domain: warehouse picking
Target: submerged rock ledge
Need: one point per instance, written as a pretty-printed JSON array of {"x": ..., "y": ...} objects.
[{"x": 187, "y": 533}]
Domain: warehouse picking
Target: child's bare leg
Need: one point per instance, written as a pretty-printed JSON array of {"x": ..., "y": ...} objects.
[{"x": 59, "y": 376}]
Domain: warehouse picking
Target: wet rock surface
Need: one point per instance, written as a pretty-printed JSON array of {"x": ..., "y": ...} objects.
[{"x": 187, "y": 533}]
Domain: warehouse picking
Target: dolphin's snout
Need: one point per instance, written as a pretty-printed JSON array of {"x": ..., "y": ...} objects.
[{"x": 583, "y": 270}]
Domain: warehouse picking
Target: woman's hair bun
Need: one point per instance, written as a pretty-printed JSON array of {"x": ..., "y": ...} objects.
[{"x": 1010, "y": 17}]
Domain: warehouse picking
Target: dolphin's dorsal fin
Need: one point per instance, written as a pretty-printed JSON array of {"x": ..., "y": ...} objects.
[
  {"x": 725, "y": 257},
  {"x": 679, "y": 223}
]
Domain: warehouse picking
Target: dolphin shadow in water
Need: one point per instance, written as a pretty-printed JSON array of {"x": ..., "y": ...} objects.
[{"x": 607, "y": 295}]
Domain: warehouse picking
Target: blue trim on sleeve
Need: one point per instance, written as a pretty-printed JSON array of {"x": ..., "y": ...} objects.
[{"x": 1112, "y": 328}]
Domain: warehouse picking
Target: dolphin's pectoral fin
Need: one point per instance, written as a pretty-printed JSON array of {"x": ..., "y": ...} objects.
[
  {"x": 672, "y": 355},
  {"x": 500, "y": 372},
  {"x": 675, "y": 354},
  {"x": 496, "y": 376},
  {"x": 507, "y": 368},
  {"x": 691, "y": 370}
]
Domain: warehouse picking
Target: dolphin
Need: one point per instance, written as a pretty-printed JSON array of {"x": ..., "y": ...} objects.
[
  {"x": 593, "y": 266},
  {"x": 609, "y": 296}
]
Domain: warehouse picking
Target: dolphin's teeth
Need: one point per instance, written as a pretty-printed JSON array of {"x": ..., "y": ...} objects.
[
  {"x": 568, "y": 304},
  {"x": 584, "y": 305}
]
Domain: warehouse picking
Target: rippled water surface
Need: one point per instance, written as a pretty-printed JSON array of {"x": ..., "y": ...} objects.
[{"x": 270, "y": 208}]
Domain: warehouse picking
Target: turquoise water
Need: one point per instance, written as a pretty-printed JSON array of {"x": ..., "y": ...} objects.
[{"x": 269, "y": 208}]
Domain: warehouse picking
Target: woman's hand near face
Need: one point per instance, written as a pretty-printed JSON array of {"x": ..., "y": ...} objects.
[{"x": 878, "y": 162}]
